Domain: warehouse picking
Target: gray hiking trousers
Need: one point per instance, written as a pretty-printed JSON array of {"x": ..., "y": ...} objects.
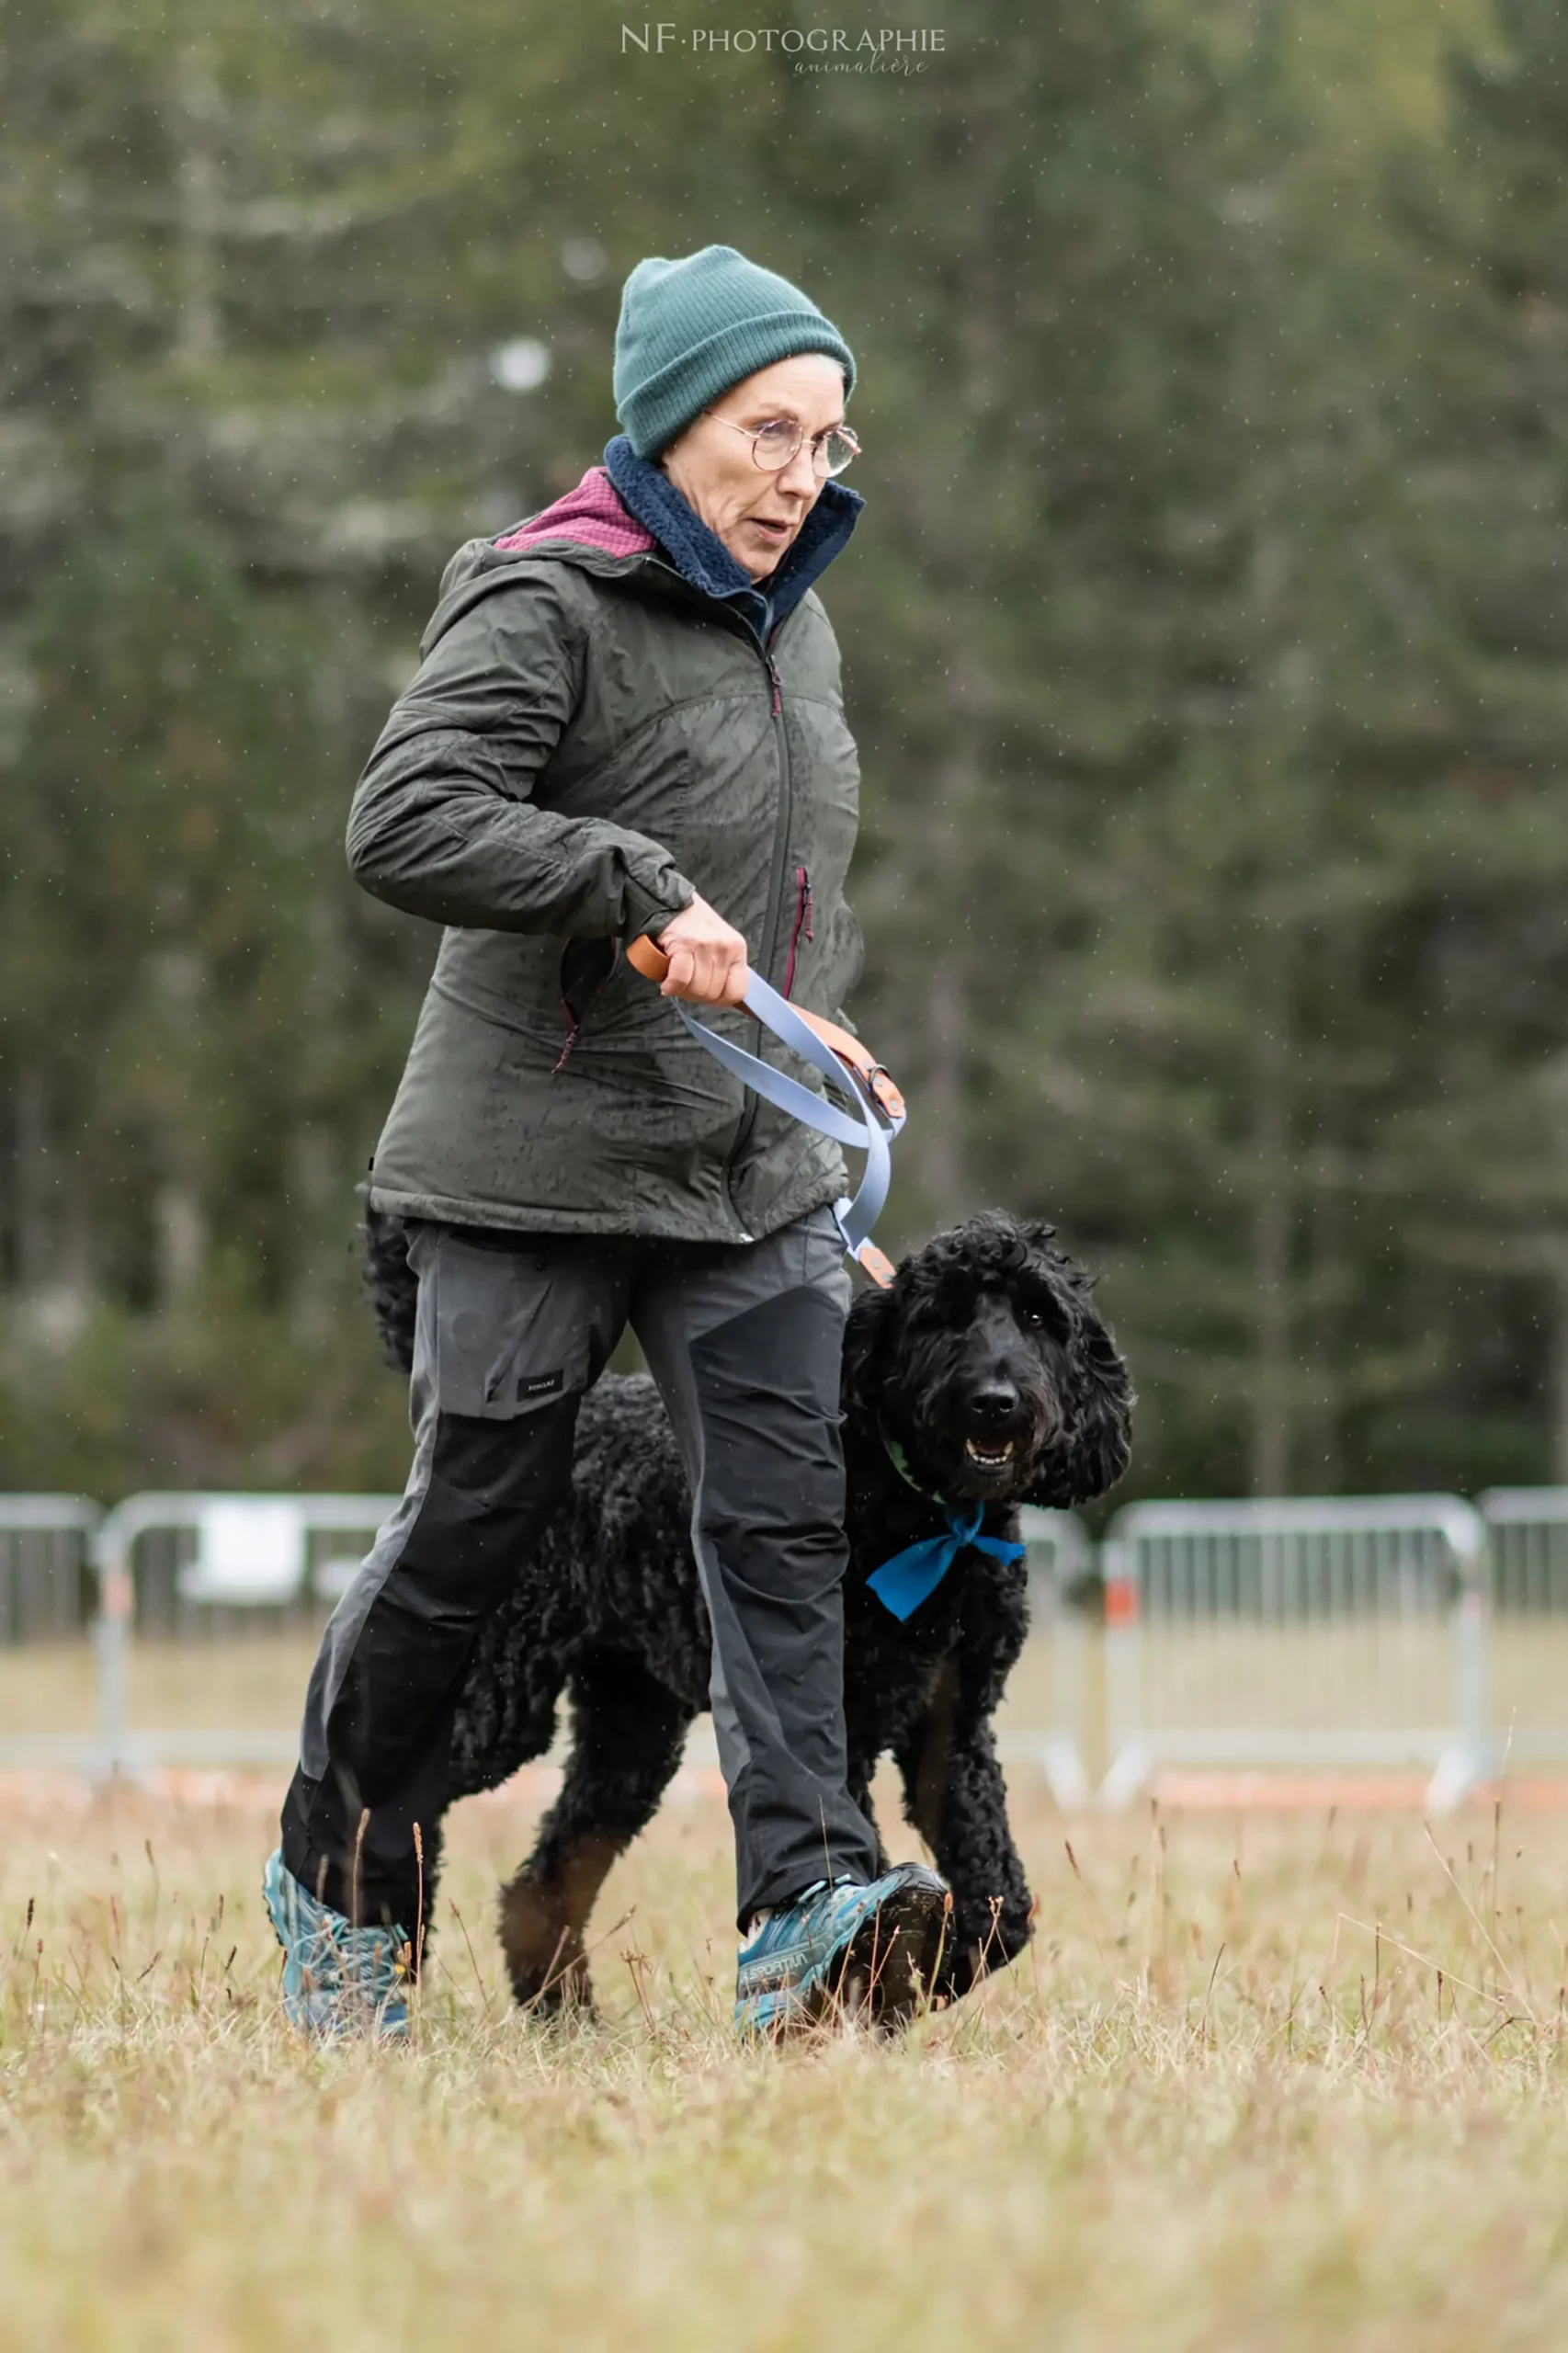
[{"x": 745, "y": 1341}]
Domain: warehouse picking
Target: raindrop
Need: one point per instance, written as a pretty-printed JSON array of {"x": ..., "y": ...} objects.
[{"x": 584, "y": 260}]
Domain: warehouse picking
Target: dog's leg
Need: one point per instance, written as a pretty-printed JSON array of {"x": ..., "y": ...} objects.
[
  {"x": 858, "y": 1780},
  {"x": 955, "y": 1797},
  {"x": 628, "y": 1732}
]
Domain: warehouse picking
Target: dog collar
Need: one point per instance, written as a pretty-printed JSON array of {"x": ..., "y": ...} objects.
[
  {"x": 902, "y": 1584},
  {"x": 900, "y": 1461}
]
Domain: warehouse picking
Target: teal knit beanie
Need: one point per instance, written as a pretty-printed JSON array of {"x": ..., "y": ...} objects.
[{"x": 689, "y": 329}]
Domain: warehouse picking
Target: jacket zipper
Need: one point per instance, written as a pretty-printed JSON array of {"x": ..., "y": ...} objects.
[
  {"x": 802, "y": 923},
  {"x": 775, "y": 905},
  {"x": 775, "y": 884}
]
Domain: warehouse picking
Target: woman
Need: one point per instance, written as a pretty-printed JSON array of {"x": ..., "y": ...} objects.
[{"x": 628, "y": 718}]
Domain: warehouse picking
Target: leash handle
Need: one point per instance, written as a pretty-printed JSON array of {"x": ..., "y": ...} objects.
[
  {"x": 840, "y": 1058},
  {"x": 653, "y": 965}
]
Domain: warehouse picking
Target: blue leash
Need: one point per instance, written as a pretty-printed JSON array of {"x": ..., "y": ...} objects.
[
  {"x": 878, "y": 1107},
  {"x": 902, "y": 1584}
]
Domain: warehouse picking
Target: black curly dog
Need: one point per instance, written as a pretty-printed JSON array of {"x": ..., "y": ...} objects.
[{"x": 987, "y": 1366}]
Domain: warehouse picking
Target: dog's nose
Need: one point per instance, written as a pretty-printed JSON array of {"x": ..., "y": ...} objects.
[{"x": 995, "y": 1403}]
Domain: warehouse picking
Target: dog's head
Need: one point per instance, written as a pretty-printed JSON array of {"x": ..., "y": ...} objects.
[{"x": 989, "y": 1364}]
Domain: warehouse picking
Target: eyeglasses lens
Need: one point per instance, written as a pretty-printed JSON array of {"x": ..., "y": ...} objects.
[{"x": 777, "y": 443}]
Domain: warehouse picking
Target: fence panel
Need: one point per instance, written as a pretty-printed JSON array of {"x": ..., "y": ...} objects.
[
  {"x": 1341, "y": 1631},
  {"x": 1369, "y": 1631},
  {"x": 1527, "y": 1652},
  {"x": 1041, "y": 1720},
  {"x": 213, "y": 1607},
  {"x": 48, "y": 1596}
]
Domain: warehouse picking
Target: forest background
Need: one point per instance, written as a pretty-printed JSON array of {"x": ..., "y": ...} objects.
[{"x": 1203, "y": 638}]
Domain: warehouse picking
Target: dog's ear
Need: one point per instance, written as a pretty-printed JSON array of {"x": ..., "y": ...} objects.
[
  {"x": 866, "y": 1337},
  {"x": 1097, "y": 1445},
  {"x": 1102, "y": 1444}
]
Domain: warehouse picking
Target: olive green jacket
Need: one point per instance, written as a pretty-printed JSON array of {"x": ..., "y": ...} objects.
[{"x": 593, "y": 735}]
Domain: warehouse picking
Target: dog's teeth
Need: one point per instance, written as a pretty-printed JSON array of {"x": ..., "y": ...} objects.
[{"x": 988, "y": 1456}]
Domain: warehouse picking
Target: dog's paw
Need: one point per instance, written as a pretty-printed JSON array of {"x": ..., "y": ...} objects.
[{"x": 544, "y": 1955}]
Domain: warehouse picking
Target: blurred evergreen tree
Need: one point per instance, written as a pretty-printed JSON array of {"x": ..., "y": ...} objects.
[{"x": 1201, "y": 641}]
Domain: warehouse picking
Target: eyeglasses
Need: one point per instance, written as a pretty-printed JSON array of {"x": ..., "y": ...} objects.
[{"x": 776, "y": 444}]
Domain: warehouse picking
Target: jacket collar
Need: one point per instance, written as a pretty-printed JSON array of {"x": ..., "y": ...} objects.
[
  {"x": 701, "y": 557},
  {"x": 592, "y": 516}
]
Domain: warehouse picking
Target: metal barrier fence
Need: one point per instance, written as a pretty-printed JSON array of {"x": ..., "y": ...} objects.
[
  {"x": 211, "y": 1608},
  {"x": 1370, "y": 1632},
  {"x": 48, "y": 1600},
  {"x": 47, "y": 1586},
  {"x": 1527, "y": 1654},
  {"x": 185, "y": 1626},
  {"x": 1341, "y": 1631}
]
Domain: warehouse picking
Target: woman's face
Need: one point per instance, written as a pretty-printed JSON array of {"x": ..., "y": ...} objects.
[{"x": 758, "y": 515}]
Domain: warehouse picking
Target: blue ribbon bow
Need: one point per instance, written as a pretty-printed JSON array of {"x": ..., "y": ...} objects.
[{"x": 902, "y": 1584}]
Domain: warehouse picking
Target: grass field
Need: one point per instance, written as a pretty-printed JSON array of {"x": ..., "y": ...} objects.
[{"x": 1275, "y": 2084}]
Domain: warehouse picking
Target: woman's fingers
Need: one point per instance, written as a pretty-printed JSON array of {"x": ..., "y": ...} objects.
[
  {"x": 706, "y": 976},
  {"x": 707, "y": 957},
  {"x": 682, "y": 969}
]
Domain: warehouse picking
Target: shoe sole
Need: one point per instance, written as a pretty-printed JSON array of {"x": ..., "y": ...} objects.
[
  {"x": 882, "y": 1977},
  {"x": 886, "y": 1973}
]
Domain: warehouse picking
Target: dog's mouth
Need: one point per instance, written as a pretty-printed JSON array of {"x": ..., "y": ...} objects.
[
  {"x": 964, "y": 1453},
  {"x": 988, "y": 1470}
]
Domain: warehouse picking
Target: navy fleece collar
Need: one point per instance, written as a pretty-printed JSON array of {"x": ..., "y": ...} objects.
[{"x": 701, "y": 557}]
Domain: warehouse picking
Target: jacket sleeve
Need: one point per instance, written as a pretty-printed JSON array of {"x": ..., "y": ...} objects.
[{"x": 443, "y": 822}]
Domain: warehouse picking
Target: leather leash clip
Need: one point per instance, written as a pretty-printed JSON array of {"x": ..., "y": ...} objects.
[
  {"x": 875, "y": 1263},
  {"x": 879, "y": 1079}
]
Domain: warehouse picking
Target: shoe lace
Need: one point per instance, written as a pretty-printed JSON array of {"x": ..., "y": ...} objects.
[{"x": 368, "y": 1962}]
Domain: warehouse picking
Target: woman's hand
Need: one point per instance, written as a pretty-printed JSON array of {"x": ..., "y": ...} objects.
[{"x": 708, "y": 959}]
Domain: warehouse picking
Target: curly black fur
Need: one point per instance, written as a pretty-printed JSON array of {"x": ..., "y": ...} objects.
[{"x": 988, "y": 1339}]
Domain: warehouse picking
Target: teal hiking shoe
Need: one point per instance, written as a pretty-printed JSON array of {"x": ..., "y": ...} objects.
[
  {"x": 871, "y": 1951},
  {"x": 338, "y": 1979}
]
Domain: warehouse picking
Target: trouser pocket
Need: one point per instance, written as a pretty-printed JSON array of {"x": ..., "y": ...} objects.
[{"x": 507, "y": 1329}]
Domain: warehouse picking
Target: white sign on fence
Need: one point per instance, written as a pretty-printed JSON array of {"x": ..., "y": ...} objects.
[{"x": 250, "y": 1551}]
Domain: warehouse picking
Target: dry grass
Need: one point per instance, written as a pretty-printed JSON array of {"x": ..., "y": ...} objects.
[{"x": 1232, "y": 2102}]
